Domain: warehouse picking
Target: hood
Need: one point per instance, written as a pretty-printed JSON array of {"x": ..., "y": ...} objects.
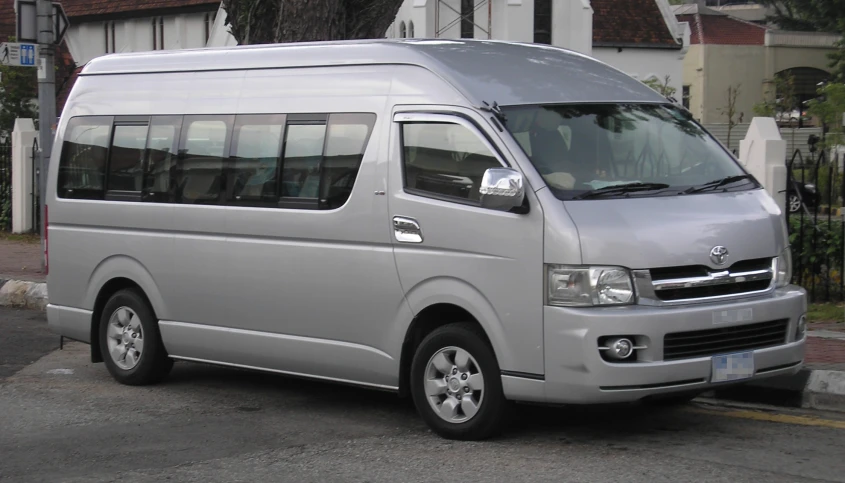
[{"x": 643, "y": 233}]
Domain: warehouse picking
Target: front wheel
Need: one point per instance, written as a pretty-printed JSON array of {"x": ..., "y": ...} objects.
[
  {"x": 456, "y": 383},
  {"x": 130, "y": 340},
  {"x": 794, "y": 204}
]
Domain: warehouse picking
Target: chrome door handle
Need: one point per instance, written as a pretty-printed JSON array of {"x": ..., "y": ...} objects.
[{"x": 407, "y": 230}]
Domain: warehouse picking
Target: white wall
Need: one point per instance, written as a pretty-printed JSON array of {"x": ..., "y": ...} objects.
[
  {"x": 413, "y": 11},
  {"x": 645, "y": 63},
  {"x": 88, "y": 40},
  {"x": 572, "y": 25}
]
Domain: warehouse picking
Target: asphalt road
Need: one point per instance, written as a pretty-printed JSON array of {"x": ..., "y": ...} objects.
[{"x": 64, "y": 419}]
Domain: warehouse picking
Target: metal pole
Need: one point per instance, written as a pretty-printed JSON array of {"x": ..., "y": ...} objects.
[
  {"x": 46, "y": 105},
  {"x": 489, "y": 19}
]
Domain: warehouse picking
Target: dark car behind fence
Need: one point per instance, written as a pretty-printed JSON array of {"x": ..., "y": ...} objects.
[{"x": 814, "y": 195}]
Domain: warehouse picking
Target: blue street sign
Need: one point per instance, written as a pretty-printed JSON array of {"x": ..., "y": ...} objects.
[{"x": 27, "y": 54}]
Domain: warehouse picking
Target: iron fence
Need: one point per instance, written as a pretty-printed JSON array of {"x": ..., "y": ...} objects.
[
  {"x": 814, "y": 196},
  {"x": 6, "y": 186},
  {"x": 36, "y": 173}
]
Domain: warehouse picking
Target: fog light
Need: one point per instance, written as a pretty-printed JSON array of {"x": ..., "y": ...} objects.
[
  {"x": 620, "y": 348},
  {"x": 801, "y": 329}
]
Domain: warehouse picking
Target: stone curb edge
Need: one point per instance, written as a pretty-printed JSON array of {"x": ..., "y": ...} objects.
[
  {"x": 809, "y": 389},
  {"x": 814, "y": 389},
  {"x": 18, "y": 293}
]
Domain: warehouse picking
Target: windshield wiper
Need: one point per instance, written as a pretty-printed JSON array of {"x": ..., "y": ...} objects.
[
  {"x": 718, "y": 183},
  {"x": 621, "y": 189}
]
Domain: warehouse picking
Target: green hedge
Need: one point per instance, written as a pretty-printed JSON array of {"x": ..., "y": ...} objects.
[{"x": 818, "y": 268}]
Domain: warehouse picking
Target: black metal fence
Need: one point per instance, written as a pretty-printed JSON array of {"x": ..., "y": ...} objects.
[
  {"x": 6, "y": 186},
  {"x": 814, "y": 197},
  {"x": 36, "y": 173}
]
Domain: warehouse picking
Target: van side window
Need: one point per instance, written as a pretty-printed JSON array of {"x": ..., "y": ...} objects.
[
  {"x": 255, "y": 155},
  {"x": 126, "y": 158},
  {"x": 85, "y": 151},
  {"x": 162, "y": 152},
  {"x": 204, "y": 147},
  {"x": 303, "y": 154},
  {"x": 445, "y": 159},
  {"x": 348, "y": 135}
]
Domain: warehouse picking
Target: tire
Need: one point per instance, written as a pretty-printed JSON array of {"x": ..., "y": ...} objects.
[
  {"x": 128, "y": 319},
  {"x": 481, "y": 410}
]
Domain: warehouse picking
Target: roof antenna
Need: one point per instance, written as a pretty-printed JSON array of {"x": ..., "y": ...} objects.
[{"x": 495, "y": 109}]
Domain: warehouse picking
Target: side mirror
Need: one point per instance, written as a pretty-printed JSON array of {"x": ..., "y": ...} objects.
[{"x": 502, "y": 189}]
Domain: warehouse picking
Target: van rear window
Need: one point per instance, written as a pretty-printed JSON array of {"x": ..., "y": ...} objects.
[{"x": 85, "y": 153}]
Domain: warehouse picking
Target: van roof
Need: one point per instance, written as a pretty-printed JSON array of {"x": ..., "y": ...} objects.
[{"x": 506, "y": 73}]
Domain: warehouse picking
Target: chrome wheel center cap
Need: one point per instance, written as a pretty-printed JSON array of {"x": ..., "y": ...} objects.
[
  {"x": 127, "y": 338},
  {"x": 454, "y": 384}
]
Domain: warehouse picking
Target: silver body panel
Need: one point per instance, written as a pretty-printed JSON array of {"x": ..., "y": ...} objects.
[{"x": 332, "y": 294}]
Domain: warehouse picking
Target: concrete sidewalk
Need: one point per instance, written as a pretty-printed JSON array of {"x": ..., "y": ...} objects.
[{"x": 21, "y": 260}]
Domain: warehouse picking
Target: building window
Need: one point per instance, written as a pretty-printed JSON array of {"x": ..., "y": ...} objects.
[
  {"x": 402, "y": 30},
  {"x": 209, "y": 23},
  {"x": 543, "y": 22},
  {"x": 685, "y": 97},
  {"x": 467, "y": 19},
  {"x": 158, "y": 33},
  {"x": 411, "y": 29},
  {"x": 109, "y": 30}
]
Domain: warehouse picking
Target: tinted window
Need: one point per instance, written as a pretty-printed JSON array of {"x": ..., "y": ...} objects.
[
  {"x": 348, "y": 135},
  {"x": 579, "y": 148},
  {"x": 445, "y": 159},
  {"x": 256, "y": 149},
  {"x": 162, "y": 151},
  {"x": 303, "y": 155},
  {"x": 84, "y": 153},
  {"x": 204, "y": 147},
  {"x": 127, "y": 155}
]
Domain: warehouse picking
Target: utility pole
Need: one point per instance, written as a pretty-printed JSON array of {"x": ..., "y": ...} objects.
[{"x": 46, "y": 107}]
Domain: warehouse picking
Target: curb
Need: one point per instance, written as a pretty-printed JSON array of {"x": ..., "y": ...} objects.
[
  {"x": 809, "y": 389},
  {"x": 18, "y": 293}
]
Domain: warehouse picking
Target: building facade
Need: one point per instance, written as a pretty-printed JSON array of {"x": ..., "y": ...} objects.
[{"x": 731, "y": 53}]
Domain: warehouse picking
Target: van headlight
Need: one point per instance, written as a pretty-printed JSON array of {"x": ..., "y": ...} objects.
[
  {"x": 570, "y": 286},
  {"x": 783, "y": 269}
]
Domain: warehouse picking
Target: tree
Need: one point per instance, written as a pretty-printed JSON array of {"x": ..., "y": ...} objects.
[
  {"x": 273, "y": 21},
  {"x": 729, "y": 110},
  {"x": 814, "y": 16},
  {"x": 663, "y": 87},
  {"x": 18, "y": 91},
  {"x": 829, "y": 107}
]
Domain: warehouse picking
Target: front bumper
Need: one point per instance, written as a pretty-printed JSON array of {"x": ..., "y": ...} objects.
[{"x": 576, "y": 372}]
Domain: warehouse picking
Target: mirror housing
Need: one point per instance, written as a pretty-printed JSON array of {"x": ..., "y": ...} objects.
[{"x": 502, "y": 189}]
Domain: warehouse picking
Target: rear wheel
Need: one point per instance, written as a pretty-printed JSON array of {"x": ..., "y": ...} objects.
[
  {"x": 456, "y": 383},
  {"x": 130, "y": 340}
]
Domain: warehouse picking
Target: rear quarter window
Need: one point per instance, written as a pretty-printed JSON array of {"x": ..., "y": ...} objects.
[{"x": 85, "y": 152}]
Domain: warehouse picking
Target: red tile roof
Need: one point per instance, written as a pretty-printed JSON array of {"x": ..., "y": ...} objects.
[
  {"x": 86, "y": 8},
  {"x": 630, "y": 23},
  {"x": 723, "y": 30}
]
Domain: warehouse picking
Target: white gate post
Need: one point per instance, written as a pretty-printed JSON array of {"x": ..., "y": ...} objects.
[
  {"x": 23, "y": 138},
  {"x": 763, "y": 153}
]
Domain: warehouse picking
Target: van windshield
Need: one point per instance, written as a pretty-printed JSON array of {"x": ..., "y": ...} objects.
[{"x": 586, "y": 149}]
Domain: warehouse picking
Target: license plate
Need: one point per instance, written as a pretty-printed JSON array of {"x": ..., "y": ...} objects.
[{"x": 732, "y": 367}]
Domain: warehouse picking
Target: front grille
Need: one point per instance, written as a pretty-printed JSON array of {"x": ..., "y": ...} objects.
[
  {"x": 738, "y": 338},
  {"x": 698, "y": 282},
  {"x": 712, "y": 290}
]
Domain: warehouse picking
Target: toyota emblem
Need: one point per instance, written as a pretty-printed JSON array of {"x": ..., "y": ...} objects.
[{"x": 719, "y": 255}]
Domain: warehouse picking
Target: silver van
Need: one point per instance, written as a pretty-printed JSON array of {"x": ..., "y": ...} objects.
[{"x": 471, "y": 223}]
